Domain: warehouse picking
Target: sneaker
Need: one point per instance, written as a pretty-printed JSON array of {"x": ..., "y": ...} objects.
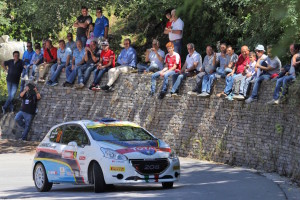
[
  {"x": 41, "y": 80},
  {"x": 229, "y": 97},
  {"x": 175, "y": 94},
  {"x": 79, "y": 86},
  {"x": 203, "y": 94},
  {"x": 134, "y": 71},
  {"x": 96, "y": 88},
  {"x": 161, "y": 95},
  {"x": 49, "y": 82},
  {"x": 53, "y": 84},
  {"x": 3, "y": 110},
  {"x": 67, "y": 84},
  {"x": 170, "y": 94},
  {"x": 192, "y": 93},
  {"x": 276, "y": 102},
  {"x": 271, "y": 102},
  {"x": 151, "y": 94},
  {"x": 92, "y": 86},
  {"x": 238, "y": 97},
  {"x": 105, "y": 87},
  {"x": 218, "y": 76},
  {"x": 249, "y": 100},
  {"x": 31, "y": 78}
]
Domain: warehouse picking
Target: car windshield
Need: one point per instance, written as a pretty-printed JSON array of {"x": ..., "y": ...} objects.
[{"x": 119, "y": 133}]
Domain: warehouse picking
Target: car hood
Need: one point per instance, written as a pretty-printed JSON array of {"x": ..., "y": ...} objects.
[{"x": 139, "y": 149}]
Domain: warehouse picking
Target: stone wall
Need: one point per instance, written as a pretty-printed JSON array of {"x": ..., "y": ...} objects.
[{"x": 255, "y": 135}]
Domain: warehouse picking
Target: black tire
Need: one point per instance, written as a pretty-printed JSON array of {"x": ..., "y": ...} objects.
[
  {"x": 99, "y": 182},
  {"x": 167, "y": 185},
  {"x": 40, "y": 178}
]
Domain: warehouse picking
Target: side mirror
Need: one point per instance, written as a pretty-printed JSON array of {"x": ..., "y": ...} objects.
[{"x": 72, "y": 144}]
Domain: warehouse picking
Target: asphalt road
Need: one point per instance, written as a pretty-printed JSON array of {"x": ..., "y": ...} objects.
[{"x": 199, "y": 180}]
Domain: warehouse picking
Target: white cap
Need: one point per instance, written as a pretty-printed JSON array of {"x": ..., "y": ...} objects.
[{"x": 260, "y": 48}]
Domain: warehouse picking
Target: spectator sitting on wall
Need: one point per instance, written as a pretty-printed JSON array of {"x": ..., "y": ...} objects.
[
  {"x": 237, "y": 71},
  {"x": 270, "y": 70},
  {"x": 50, "y": 57},
  {"x": 261, "y": 57},
  {"x": 240, "y": 90},
  {"x": 30, "y": 96},
  {"x": 14, "y": 68},
  {"x": 91, "y": 58},
  {"x": 77, "y": 61},
  {"x": 283, "y": 82},
  {"x": 63, "y": 59},
  {"x": 172, "y": 66},
  {"x": 82, "y": 24},
  {"x": 193, "y": 63},
  {"x": 207, "y": 68},
  {"x": 36, "y": 60},
  {"x": 233, "y": 58},
  {"x": 126, "y": 63},
  {"x": 101, "y": 25},
  {"x": 221, "y": 59},
  {"x": 156, "y": 58},
  {"x": 107, "y": 61},
  {"x": 70, "y": 44},
  {"x": 27, "y": 56}
]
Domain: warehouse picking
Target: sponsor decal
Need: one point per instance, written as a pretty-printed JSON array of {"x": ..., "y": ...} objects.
[
  {"x": 176, "y": 168},
  {"x": 156, "y": 176},
  {"x": 62, "y": 170},
  {"x": 70, "y": 174},
  {"x": 45, "y": 145},
  {"x": 69, "y": 154},
  {"x": 81, "y": 157},
  {"x": 52, "y": 172},
  {"x": 117, "y": 169}
]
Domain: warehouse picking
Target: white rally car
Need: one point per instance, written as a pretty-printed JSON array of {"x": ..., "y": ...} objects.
[{"x": 101, "y": 153}]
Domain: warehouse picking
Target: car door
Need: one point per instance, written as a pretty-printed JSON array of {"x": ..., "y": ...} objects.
[{"x": 74, "y": 143}]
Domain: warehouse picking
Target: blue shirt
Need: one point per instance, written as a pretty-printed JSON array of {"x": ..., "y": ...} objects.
[
  {"x": 100, "y": 25},
  {"x": 71, "y": 45},
  {"x": 78, "y": 55},
  {"x": 27, "y": 56},
  {"x": 36, "y": 57},
  {"x": 63, "y": 54},
  {"x": 128, "y": 57}
]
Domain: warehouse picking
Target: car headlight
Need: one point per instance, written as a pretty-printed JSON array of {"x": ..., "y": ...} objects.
[
  {"x": 173, "y": 155},
  {"x": 109, "y": 153}
]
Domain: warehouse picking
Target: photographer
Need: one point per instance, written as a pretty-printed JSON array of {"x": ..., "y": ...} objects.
[{"x": 30, "y": 96}]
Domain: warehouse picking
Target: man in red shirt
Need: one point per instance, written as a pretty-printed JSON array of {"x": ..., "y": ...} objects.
[
  {"x": 50, "y": 57},
  {"x": 172, "y": 66},
  {"x": 107, "y": 61},
  {"x": 237, "y": 71}
]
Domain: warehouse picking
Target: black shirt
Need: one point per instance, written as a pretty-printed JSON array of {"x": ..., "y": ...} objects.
[
  {"x": 81, "y": 32},
  {"x": 29, "y": 103},
  {"x": 14, "y": 70},
  {"x": 96, "y": 53}
]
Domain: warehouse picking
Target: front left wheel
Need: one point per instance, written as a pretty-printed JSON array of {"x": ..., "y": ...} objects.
[
  {"x": 40, "y": 178},
  {"x": 167, "y": 185},
  {"x": 99, "y": 182}
]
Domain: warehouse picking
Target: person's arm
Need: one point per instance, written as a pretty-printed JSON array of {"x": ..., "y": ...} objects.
[
  {"x": 184, "y": 67},
  {"x": 86, "y": 57},
  {"x": 68, "y": 60},
  {"x": 119, "y": 60},
  {"x": 4, "y": 65},
  {"x": 132, "y": 59},
  {"x": 106, "y": 32},
  {"x": 215, "y": 61},
  {"x": 147, "y": 53},
  {"x": 162, "y": 72},
  {"x": 195, "y": 64},
  {"x": 24, "y": 91},
  {"x": 167, "y": 31},
  {"x": 94, "y": 57},
  {"x": 76, "y": 24},
  {"x": 38, "y": 95},
  {"x": 178, "y": 32},
  {"x": 294, "y": 60},
  {"x": 109, "y": 63},
  {"x": 160, "y": 58},
  {"x": 73, "y": 62}
]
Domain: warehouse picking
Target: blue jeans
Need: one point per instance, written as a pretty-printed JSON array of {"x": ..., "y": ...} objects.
[
  {"x": 245, "y": 85},
  {"x": 281, "y": 86},
  {"x": 177, "y": 46},
  {"x": 165, "y": 82},
  {"x": 25, "y": 71},
  {"x": 84, "y": 72},
  {"x": 98, "y": 73},
  {"x": 207, "y": 82},
  {"x": 24, "y": 120},
  {"x": 229, "y": 83},
  {"x": 56, "y": 70},
  {"x": 153, "y": 67},
  {"x": 257, "y": 84},
  {"x": 83, "y": 40},
  {"x": 71, "y": 74},
  {"x": 177, "y": 80},
  {"x": 11, "y": 91}
]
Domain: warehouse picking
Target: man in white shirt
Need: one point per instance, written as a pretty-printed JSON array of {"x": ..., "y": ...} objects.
[
  {"x": 156, "y": 58},
  {"x": 175, "y": 32},
  {"x": 192, "y": 64}
]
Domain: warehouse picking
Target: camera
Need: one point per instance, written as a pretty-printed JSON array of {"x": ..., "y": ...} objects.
[{"x": 31, "y": 90}]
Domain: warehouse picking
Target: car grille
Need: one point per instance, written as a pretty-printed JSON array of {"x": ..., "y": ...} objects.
[{"x": 148, "y": 167}]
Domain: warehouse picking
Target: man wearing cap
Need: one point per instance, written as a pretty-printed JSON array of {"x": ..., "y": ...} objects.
[
  {"x": 261, "y": 57},
  {"x": 107, "y": 61},
  {"x": 270, "y": 68},
  {"x": 101, "y": 25},
  {"x": 82, "y": 24},
  {"x": 175, "y": 32}
]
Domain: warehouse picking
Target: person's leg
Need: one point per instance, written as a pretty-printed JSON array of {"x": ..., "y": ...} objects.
[
  {"x": 113, "y": 74},
  {"x": 57, "y": 72},
  {"x": 211, "y": 78},
  {"x": 177, "y": 80},
  {"x": 286, "y": 81},
  {"x": 68, "y": 71},
  {"x": 80, "y": 71},
  {"x": 19, "y": 119},
  {"x": 257, "y": 84},
  {"x": 28, "y": 119},
  {"x": 99, "y": 75},
  {"x": 229, "y": 84},
  {"x": 278, "y": 89},
  {"x": 177, "y": 46},
  {"x": 8, "y": 100},
  {"x": 53, "y": 68},
  {"x": 142, "y": 67},
  {"x": 245, "y": 86},
  {"x": 153, "y": 81},
  {"x": 166, "y": 80},
  {"x": 33, "y": 70},
  {"x": 236, "y": 83},
  {"x": 72, "y": 76},
  {"x": 153, "y": 68},
  {"x": 46, "y": 69},
  {"x": 205, "y": 81},
  {"x": 83, "y": 40},
  {"x": 199, "y": 78},
  {"x": 88, "y": 72}
]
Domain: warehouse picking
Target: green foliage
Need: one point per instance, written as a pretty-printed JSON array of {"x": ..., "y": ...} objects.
[{"x": 3, "y": 88}]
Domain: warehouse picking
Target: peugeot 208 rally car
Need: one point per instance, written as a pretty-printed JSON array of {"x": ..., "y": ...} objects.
[{"x": 103, "y": 152}]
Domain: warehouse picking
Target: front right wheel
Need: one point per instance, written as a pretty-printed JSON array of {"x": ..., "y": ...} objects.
[
  {"x": 167, "y": 185},
  {"x": 40, "y": 178}
]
